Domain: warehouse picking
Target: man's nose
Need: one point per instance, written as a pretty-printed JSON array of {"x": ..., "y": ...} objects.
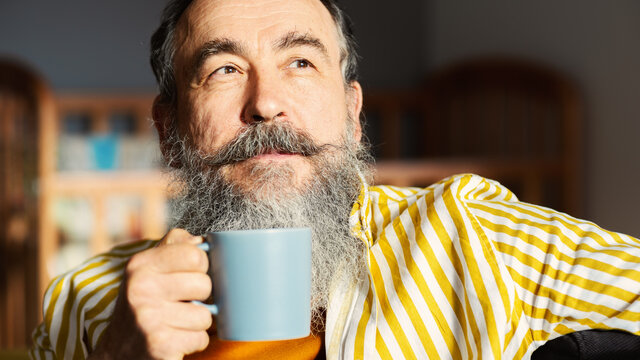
[{"x": 265, "y": 102}]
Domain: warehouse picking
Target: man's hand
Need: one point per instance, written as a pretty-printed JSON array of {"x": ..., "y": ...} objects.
[{"x": 152, "y": 318}]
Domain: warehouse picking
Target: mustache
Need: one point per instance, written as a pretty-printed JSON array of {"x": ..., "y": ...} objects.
[{"x": 262, "y": 138}]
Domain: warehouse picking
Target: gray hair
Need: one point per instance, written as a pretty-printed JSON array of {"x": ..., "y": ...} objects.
[{"x": 163, "y": 46}]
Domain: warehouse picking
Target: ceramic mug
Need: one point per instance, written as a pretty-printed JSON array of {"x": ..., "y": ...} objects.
[{"x": 261, "y": 283}]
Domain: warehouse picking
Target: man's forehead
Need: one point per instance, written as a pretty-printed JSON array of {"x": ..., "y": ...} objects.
[{"x": 255, "y": 22}]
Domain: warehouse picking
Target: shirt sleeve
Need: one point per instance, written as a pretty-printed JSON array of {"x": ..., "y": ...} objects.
[
  {"x": 77, "y": 305},
  {"x": 41, "y": 346},
  {"x": 568, "y": 274}
]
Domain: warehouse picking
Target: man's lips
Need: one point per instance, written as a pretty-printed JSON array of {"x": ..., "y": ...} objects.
[{"x": 275, "y": 155}]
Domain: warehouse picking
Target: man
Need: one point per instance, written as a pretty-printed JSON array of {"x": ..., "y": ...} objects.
[{"x": 257, "y": 114}]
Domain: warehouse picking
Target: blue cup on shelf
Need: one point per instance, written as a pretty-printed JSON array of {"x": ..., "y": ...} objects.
[
  {"x": 105, "y": 151},
  {"x": 261, "y": 283}
]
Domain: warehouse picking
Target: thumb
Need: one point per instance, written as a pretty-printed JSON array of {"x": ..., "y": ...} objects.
[{"x": 180, "y": 236}]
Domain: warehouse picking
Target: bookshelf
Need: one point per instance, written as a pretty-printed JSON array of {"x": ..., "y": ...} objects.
[{"x": 104, "y": 185}]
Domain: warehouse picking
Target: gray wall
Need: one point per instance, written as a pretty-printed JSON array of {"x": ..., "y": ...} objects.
[
  {"x": 83, "y": 44},
  {"x": 595, "y": 42},
  {"x": 103, "y": 46},
  {"x": 391, "y": 41}
]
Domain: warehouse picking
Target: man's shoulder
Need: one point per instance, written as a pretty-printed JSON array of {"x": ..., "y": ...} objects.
[
  {"x": 105, "y": 265},
  {"x": 461, "y": 187},
  {"x": 83, "y": 296}
]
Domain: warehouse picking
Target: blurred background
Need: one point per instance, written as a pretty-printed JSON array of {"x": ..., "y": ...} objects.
[{"x": 79, "y": 165}]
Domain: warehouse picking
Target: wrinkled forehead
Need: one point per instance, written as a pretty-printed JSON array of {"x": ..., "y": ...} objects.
[{"x": 255, "y": 24}]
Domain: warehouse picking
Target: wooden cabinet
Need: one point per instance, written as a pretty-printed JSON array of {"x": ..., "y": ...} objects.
[
  {"x": 94, "y": 150},
  {"x": 509, "y": 119},
  {"x": 27, "y": 111}
]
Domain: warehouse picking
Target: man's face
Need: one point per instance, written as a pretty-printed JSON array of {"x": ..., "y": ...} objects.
[{"x": 239, "y": 62}]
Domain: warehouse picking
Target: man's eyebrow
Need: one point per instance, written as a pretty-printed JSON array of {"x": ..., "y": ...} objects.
[
  {"x": 294, "y": 39},
  {"x": 215, "y": 47}
]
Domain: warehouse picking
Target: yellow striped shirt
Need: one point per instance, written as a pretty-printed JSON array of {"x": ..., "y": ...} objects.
[{"x": 458, "y": 270}]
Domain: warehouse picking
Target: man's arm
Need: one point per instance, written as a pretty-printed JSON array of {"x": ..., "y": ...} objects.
[
  {"x": 152, "y": 318},
  {"x": 569, "y": 274},
  {"x": 121, "y": 304},
  {"x": 77, "y": 304}
]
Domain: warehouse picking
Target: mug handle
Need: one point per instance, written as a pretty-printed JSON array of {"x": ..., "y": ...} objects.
[{"x": 213, "y": 308}]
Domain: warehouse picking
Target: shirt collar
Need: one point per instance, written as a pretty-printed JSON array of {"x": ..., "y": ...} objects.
[{"x": 360, "y": 216}]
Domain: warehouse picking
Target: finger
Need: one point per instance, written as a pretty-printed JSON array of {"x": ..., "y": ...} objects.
[
  {"x": 187, "y": 316},
  {"x": 186, "y": 286},
  {"x": 179, "y": 257},
  {"x": 144, "y": 288},
  {"x": 196, "y": 341},
  {"x": 174, "y": 344}
]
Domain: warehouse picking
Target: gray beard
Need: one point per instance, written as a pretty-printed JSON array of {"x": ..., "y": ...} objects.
[{"x": 207, "y": 202}]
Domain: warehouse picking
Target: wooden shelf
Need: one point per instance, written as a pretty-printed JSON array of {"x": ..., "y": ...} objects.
[
  {"x": 98, "y": 188},
  {"x": 426, "y": 171},
  {"x": 90, "y": 182}
]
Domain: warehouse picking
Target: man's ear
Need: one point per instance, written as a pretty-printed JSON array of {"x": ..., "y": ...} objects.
[
  {"x": 162, "y": 113},
  {"x": 354, "y": 106}
]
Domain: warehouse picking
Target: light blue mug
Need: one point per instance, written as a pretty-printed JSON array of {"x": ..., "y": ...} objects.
[{"x": 261, "y": 283}]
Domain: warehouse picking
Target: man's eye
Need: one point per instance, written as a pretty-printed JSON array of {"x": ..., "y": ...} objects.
[
  {"x": 225, "y": 70},
  {"x": 301, "y": 63}
]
